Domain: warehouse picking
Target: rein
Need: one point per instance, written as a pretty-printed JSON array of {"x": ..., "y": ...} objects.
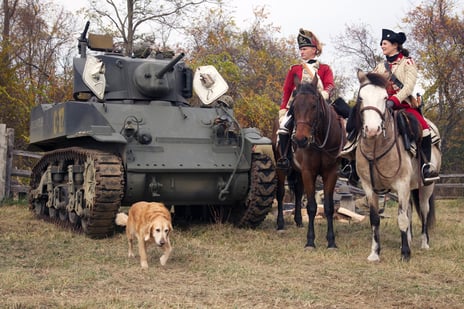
[
  {"x": 322, "y": 113},
  {"x": 373, "y": 157}
]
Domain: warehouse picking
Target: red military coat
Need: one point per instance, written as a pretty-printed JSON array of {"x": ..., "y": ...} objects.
[{"x": 324, "y": 72}]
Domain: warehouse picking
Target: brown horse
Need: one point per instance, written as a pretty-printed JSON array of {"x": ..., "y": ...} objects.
[
  {"x": 384, "y": 164},
  {"x": 319, "y": 137}
]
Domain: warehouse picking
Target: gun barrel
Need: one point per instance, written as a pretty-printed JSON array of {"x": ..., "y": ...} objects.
[
  {"x": 86, "y": 28},
  {"x": 169, "y": 66}
]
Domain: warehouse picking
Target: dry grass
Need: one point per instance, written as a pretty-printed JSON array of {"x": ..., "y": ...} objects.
[{"x": 218, "y": 266}]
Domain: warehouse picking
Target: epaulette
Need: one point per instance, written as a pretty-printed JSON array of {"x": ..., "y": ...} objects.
[{"x": 409, "y": 60}]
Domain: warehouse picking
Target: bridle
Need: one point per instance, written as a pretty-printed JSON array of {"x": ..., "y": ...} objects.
[
  {"x": 373, "y": 157},
  {"x": 373, "y": 108},
  {"x": 322, "y": 112}
]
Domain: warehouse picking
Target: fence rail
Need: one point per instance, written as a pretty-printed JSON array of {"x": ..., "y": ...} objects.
[{"x": 450, "y": 186}]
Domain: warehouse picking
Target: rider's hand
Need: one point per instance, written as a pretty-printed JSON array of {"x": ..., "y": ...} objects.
[{"x": 390, "y": 104}]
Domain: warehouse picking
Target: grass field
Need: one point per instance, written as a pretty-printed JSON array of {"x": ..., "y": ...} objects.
[{"x": 219, "y": 266}]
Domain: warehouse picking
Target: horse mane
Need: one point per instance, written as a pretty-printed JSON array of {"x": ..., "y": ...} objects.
[
  {"x": 307, "y": 88},
  {"x": 377, "y": 79}
]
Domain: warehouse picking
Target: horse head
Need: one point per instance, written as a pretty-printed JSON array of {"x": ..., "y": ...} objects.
[
  {"x": 307, "y": 105},
  {"x": 372, "y": 96}
]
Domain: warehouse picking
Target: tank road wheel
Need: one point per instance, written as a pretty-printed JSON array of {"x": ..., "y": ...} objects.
[
  {"x": 63, "y": 214},
  {"x": 74, "y": 218},
  {"x": 52, "y": 213},
  {"x": 39, "y": 208},
  {"x": 252, "y": 212},
  {"x": 101, "y": 188}
]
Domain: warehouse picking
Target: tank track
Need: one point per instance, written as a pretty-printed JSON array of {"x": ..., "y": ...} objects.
[
  {"x": 261, "y": 195},
  {"x": 79, "y": 188}
]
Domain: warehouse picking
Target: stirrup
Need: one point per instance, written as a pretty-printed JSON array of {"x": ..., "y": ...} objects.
[
  {"x": 345, "y": 173},
  {"x": 429, "y": 175}
]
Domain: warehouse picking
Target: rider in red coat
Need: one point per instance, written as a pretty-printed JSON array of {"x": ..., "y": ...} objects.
[
  {"x": 310, "y": 48},
  {"x": 325, "y": 75}
]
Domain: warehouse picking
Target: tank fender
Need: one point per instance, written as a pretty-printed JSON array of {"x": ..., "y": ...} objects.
[
  {"x": 254, "y": 137},
  {"x": 254, "y": 142}
]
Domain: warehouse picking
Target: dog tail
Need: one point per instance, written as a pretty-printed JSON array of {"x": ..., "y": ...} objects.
[{"x": 121, "y": 219}]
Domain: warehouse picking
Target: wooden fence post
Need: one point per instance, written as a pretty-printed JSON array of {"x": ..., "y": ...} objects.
[
  {"x": 3, "y": 159},
  {"x": 9, "y": 160}
]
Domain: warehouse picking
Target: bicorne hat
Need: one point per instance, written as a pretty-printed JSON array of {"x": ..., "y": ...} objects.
[
  {"x": 393, "y": 37},
  {"x": 307, "y": 38}
]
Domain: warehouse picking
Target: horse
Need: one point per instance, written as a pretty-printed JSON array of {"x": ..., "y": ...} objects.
[
  {"x": 384, "y": 164},
  {"x": 319, "y": 138},
  {"x": 294, "y": 182}
]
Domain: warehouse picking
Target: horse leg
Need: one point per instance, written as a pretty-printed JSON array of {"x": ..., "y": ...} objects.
[
  {"x": 311, "y": 208},
  {"x": 374, "y": 217},
  {"x": 425, "y": 207},
  {"x": 298, "y": 190},
  {"x": 404, "y": 222},
  {"x": 280, "y": 193},
  {"x": 329, "y": 186}
]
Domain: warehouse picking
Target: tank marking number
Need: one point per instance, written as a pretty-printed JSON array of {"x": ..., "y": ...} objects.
[{"x": 58, "y": 121}]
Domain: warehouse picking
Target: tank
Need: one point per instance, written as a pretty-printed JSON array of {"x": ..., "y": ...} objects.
[{"x": 130, "y": 134}]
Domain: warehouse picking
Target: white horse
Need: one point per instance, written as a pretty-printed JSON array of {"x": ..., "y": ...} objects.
[{"x": 384, "y": 164}]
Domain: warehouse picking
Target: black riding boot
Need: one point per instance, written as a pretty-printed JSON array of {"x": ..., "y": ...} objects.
[
  {"x": 284, "y": 160},
  {"x": 428, "y": 173},
  {"x": 354, "y": 178},
  {"x": 345, "y": 169}
]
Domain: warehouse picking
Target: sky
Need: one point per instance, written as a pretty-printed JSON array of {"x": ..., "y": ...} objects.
[{"x": 328, "y": 19}]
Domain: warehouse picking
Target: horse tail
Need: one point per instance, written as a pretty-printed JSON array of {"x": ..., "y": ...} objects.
[{"x": 430, "y": 214}]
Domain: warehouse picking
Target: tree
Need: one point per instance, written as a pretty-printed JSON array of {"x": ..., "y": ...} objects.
[
  {"x": 358, "y": 45},
  {"x": 254, "y": 62},
  {"x": 438, "y": 33},
  {"x": 29, "y": 74},
  {"x": 125, "y": 18}
]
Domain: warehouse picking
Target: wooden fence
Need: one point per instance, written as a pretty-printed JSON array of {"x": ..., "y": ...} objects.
[
  {"x": 450, "y": 186},
  {"x": 13, "y": 181}
]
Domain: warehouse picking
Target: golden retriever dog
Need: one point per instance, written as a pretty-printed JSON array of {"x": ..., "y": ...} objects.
[{"x": 148, "y": 222}]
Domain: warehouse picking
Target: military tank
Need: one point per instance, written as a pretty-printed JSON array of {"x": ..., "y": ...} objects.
[{"x": 130, "y": 134}]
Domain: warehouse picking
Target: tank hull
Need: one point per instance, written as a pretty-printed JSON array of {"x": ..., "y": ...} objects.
[{"x": 177, "y": 155}]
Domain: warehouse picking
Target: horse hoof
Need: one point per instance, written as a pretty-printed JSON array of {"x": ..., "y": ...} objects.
[
  {"x": 405, "y": 258},
  {"x": 334, "y": 247},
  {"x": 373, "y": 257},
  {"x": 425, "y": 247},
  {"x": 310, "y": 248},
  {"x": 280, "y": 231}
]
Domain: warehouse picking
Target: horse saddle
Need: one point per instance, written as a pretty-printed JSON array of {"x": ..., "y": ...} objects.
[{"x": 410, "y": 130}]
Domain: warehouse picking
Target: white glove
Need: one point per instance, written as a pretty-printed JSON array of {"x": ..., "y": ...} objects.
[{"x": 325, "y": 94}]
